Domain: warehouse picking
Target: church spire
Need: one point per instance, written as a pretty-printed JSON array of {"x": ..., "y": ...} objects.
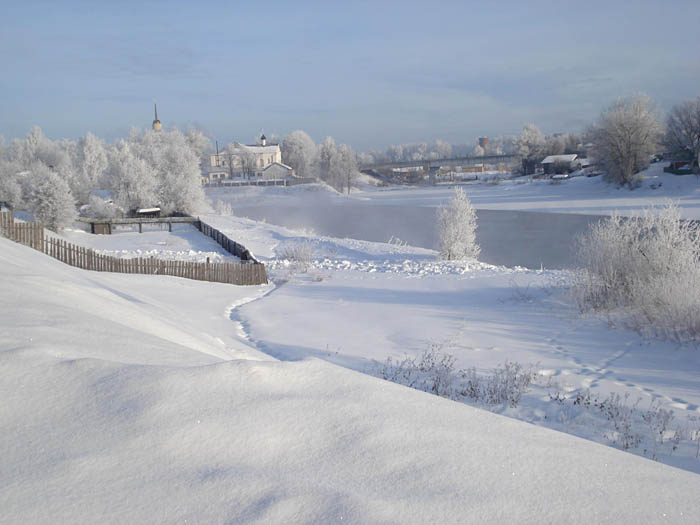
[{"x": 157, "y": 126}]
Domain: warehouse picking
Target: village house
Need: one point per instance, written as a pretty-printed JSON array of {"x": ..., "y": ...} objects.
[{"x": 559, "y": 164}]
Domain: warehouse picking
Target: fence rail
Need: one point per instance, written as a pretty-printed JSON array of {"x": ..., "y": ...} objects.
[{"x": 32, "y": 235}]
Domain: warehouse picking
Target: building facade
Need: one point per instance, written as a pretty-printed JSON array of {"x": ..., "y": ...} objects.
[{"x": 246, "y": 161}]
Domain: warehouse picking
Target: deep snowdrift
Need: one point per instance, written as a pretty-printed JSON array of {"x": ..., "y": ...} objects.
[{"x": 123, "y": 401}]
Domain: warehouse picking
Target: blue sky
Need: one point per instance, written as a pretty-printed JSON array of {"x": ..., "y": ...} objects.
[{"x": 370, "y": 74}]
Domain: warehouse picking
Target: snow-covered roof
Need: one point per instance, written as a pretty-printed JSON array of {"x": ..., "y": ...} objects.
[
  {"x": 272, "y": 148},
  {"x": 147, "y": 210},
  {"x": 278, "y": 164},
  {"x": 559, "y": 158}
]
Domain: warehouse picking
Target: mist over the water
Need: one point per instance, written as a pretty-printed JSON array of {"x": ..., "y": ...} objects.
[{"x": 508, "y": 238}]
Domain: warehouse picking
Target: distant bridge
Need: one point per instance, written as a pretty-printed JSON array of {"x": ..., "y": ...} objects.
[{"x": 434, "y": 164}]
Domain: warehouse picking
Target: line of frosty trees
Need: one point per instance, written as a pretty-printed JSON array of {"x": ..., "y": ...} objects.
[
  {"x": 621, "y": 141},
  {"x": 334, "y": 164},
  {"x": 52, "y": 178},
  {"x": 626, "y": 135},
  {"x": 163, "y": 168}
]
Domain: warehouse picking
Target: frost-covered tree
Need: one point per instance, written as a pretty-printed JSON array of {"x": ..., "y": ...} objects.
[
  {"x": 90, "y": 165},
  {"x": 572, "y": 143},
  {"x": 299, "y": 152},
  {"x": 554, "y": 145},
  {"x": 395, "y": 153},
  {"x": 51, "y": 200},
  {"x": 478, "y": 151},
  {"x": 531, "y": 147},
  {"x": 457, "y": 228},
  {"x": 683, "y": 129},
  {"x": 624, "y": 137},
  {"x": 10, "y": 189},
  {"x": 443, "y": 150},
  {"x": 176, "y": 166},
  {"x": 326, "y": 151},
  {"x": 364, "y": 158},
  {"x": 36, "y": 147},
  {"x": 198, "y": 142},
  {"x": 132, "y": 180},
  {"x": 343, "y": 168}
]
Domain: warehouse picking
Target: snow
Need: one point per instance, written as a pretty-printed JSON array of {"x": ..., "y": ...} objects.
[
  {"x": 580, "y": 195},
  {"x": 157, "y": 399},
  {"x": 164, "y": 423},
  {"x": 552, "y": 159},
  {"x": 362, "y": 302},
  {"x": 522, "y": 222},
  {"x": 185, "y": 243}
]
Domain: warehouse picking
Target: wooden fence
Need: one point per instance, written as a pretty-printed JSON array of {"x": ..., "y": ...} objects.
[
  {"x": 28, "y": 233},
  {"x": 227, "y": 244},
  {"x": 32, "y": 234}
]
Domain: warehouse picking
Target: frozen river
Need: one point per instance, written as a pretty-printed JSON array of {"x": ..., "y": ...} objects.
[{"x": 509, "y": 238}]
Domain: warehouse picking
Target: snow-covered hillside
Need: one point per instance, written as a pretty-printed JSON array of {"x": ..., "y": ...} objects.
[
  {"x": 361, "y": 303},
  {"x": 131, "y": 398}
]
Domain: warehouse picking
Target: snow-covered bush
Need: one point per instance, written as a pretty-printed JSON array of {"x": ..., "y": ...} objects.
[
  {"x": 645, "y": 268},
  {"x": 457, "y": 228},
  {"x": 299, "y": 254},
  {"x": 51, "y": 200}
]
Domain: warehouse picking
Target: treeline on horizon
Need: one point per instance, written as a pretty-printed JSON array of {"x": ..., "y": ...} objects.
[{"x": 163, "y": 168}]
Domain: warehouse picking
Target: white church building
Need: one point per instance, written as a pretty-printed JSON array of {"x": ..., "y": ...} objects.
[{"x": 247, "y": 161}]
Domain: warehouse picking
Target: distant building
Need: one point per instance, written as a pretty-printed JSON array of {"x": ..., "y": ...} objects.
[
  {"x": 277, "y": 171},
  {"x": 559, "y": 164},
  {"x": 241, "y": 156},
  {"x": 247, "y": 161},
  {"x": 484, "y": 142}
]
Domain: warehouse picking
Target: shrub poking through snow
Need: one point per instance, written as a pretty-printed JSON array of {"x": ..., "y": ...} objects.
[
  {"x": 457, "y": 229},
  {"x": 646, "y": 269},
  {"x": 650, "y": 431},
  {"x": 504, "y": 386},
  {"x": 433, "y": 371},
  {"x": 299, "y": 254}
]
